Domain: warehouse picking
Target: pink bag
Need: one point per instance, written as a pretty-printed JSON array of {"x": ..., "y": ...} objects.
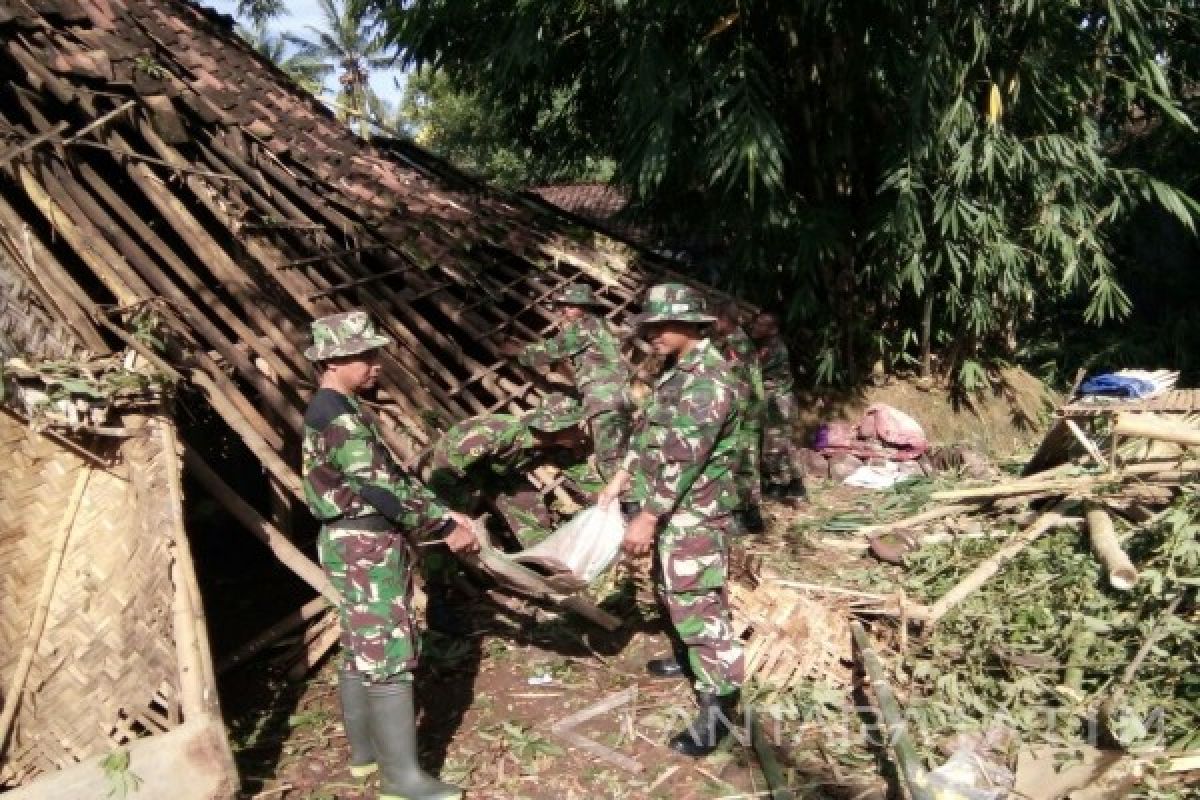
[{"x": 893, "y": 427}]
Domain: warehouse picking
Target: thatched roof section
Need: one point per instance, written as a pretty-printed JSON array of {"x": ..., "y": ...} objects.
[{"x": 148, "y": 157}]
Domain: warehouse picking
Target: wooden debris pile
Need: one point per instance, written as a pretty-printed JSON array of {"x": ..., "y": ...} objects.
[{"x": 1059, "y": 605}]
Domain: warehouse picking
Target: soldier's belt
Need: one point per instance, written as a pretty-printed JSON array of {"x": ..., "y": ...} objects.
[{"x": 368, "y": 522}]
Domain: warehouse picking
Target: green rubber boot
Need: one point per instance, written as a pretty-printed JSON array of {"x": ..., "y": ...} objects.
[
  {"x": 352, "y": 691},
  {"x": 394, "y": 732}
]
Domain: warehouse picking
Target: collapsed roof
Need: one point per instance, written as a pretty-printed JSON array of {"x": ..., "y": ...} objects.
[{"x": 151, "y": 160}]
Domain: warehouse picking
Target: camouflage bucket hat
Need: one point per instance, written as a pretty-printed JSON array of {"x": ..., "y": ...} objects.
[
  {"x": 673, "y": 302},
  {"x": 577, "y": 294},
  {"x": 345, "y": 334},
  {"x": 556, "y": 412}
]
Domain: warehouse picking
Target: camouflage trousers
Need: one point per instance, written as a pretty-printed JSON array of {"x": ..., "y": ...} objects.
[
  {"x": 691, "y": 567},
  {"x": 369, "y": 566},
  {"x": 778, "y": 451},
  {"x": 610, "y": 433},
  {"x": 749, "y": 468}
]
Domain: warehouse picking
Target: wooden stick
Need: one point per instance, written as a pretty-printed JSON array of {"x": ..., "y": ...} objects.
[
  {"x": 813, "y": 587},
  {"x": 16, "y": 685},
  {"x": 1122, "y": 574},
  {"x": 315, "y": 650},
  {"x": 103, "y": 119},
  {"x": 267, "y": 456},
  {"x": 287, "y": 553},
  {"x": 130, "y": 154},
  {"x": 919, "y": 519},
  {"x": 274, "y": 633},
  {"x": 931, "y": 614},
  {"x": 29, "y": 144},
  {"x": 911, "y": 769},
  {"x": 1149, "y": 427},
  {"x": 300, "y": 262},
  {"x": 207, "y": 702},
  {"x": 1154, "y": 470},
  {"x": 1088, "y": 444}
]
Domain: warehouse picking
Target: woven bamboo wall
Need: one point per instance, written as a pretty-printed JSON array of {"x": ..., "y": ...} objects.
[
  {"x": 26, "y": 326},
  {"x": 106, "y": 668}
]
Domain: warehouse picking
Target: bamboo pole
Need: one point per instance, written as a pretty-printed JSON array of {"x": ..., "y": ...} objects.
[
  {"x": 16, "y": 686},
  {"x": 330, "y": 634},
  {"x": 1122, "y": 574},
  {"x": 1149, "y": 427},
  {"x": 930, "y": 615},
  {"x": 313, "y": 608},
  {"x": 207, "y": 703},
  {"x": 268, "y": 456},
  {"x": 1160, "y": 470},
  {"x": 918, "y": 519},
  {"x": 287, "y": 553},
  {"x": 913, "y": 772},
  {"x": 150, "y": 239},
  {"x": 59, "y": 220},
  {"x": 776, "y": 783},
  {"x": 1088, "y": 444}
]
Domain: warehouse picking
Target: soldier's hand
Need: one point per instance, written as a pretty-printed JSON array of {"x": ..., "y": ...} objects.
[
  {"x": 463, "y": 538},
  {"x": 639, "y": 536},
  {"x": 609, "y": 494}
]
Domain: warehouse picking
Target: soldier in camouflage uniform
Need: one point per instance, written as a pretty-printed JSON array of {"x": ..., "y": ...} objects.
[
  {"x": 781, "y": 477},
  {"x": 680, "y": 468},
  {"x": 370, "y": 509},
  {"x": 592, "y": 352},
  {"x": 740, "y": 352},
  {"x": 491, "y": 455}
]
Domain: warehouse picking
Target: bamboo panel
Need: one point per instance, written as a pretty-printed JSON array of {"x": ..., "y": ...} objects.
[
  {"x": 1177, "y": 401},
  {"x": 106, "y": 670},
  {"x": 26, "y": 326},
  {"x": 789, "y": 636}
]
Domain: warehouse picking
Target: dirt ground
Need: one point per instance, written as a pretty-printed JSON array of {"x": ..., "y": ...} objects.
[{"x": 487, "y": 701}]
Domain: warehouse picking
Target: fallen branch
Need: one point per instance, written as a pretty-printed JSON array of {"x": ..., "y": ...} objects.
[
  {"x": 1122, "y": 574},
  {"x": 911, "y": 769},
  {"x": 1048, "y": 521}
]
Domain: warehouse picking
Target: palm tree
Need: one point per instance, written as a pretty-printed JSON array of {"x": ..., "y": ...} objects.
[
  {"x": 353, "y": 44},
  {"x": 307, "y": 72}
]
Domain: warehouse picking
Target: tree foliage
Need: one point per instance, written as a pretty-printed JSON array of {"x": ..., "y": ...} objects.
[
  {"x": 906, "y": 174},
  {"x": 459, "y": 125},
  {"x": 309, "y": 73},
  {"x": 352, "y": 42}
]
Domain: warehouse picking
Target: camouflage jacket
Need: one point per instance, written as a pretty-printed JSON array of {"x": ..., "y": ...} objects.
[
  {"x": 500, "y": 443},
  {"x": 776, "y": 367},
  {"x": 684, "y": 451},
  {"x": 348, "y": 472},
  {"x": 591, "y": 349},
  {"x": 739, "y": 350}
]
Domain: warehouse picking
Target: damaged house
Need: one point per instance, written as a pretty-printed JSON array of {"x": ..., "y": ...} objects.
[{"x": 173, "y": 213}]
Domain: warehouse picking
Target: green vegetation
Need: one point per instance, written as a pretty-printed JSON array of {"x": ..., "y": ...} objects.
[{"x": 931, "y": 185}]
